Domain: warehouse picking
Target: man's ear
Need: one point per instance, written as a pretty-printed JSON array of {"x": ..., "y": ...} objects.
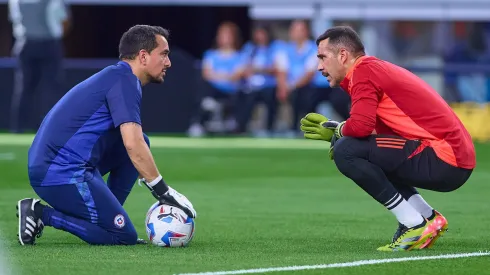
[
  {"x": 343, "y": 55},
  {"x": 143, "y": 57}
]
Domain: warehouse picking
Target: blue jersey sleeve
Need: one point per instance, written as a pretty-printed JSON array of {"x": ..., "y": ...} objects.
[{"x": 123, "y": 100}]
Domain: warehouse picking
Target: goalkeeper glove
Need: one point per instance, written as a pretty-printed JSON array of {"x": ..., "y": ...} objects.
[
  {"x": 317, "y": 126},
  {"x": 334, "y": 126},
  {"x": 166, "y": 194},
  {"x": 312, "y": 126},
  {"x": 332, "y": 143}
]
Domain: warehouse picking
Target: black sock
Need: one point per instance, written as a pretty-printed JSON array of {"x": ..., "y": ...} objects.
[
  {"x": 420, "y": 225},
  {"x": 405, "y": 190},
  {"x": 432, "y": 216},
  {"x": 38, "y": 210}
]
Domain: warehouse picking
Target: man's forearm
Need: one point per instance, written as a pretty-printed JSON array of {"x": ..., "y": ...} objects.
[{"x": 143, "y": 161}]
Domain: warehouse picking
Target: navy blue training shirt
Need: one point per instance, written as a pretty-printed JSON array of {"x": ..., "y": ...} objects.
[{"x": 84, "y": 124}]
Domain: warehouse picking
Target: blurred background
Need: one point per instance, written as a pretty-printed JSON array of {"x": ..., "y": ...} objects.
[
  {"x": 243, "y": 68},
  {"x": 239, "y": 68}
]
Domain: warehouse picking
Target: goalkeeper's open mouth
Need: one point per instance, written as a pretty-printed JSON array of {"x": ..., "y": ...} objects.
[{"x": 327, "y": 75}]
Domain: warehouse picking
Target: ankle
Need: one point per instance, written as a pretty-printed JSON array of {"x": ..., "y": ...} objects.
[
  {"x": 38, "y": 209},
  {"x": 424, "y": 223},
  {"x": 433, "y": 215}
]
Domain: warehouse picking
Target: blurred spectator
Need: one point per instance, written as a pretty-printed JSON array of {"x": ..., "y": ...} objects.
[
  {"x": 38, "y": 29},
  {"x": 458, "y": 53},
  {"x": 222, "y": 68},
  {"x": 297, "y": 65},
  {"x": 259, "y": 78},
  {"x": 468, "y": 47}
]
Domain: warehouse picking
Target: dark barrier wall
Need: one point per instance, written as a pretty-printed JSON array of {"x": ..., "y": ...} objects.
[
  {"x": 95, "y": 33},
  {"x": 166, "y": 107},
  {"x": 96, "y": 29},
  {"x": 192, "y": 28}
]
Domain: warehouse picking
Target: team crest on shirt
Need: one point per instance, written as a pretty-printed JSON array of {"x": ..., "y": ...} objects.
[{"x": 119, "y": 221}]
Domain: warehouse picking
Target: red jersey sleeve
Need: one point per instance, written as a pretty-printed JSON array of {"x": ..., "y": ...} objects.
[{"x": 365, "y": 99}]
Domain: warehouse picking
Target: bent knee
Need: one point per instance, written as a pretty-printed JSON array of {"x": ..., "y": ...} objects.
[
  {"x": 344, "y": 148},
  {"x": 127, "y": 237},
  {"x": 347, "y": 151},
  {"x": 124, "y": 232}
]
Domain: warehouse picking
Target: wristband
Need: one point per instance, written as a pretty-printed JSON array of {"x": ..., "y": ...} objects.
[
  {"x": 155, "y": 181},
  {"x": 158, "y": 186}
]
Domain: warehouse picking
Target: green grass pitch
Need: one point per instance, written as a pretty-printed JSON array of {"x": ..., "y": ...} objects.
[{"x": 261, "y": 204}]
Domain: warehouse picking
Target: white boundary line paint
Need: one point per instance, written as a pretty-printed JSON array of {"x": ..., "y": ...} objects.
[
  {"x": 7, "y": 156},
  {"x": 339, "y": 265},
  {"x": 205, "y": 143},
  {"x": 5, "y": 268}
]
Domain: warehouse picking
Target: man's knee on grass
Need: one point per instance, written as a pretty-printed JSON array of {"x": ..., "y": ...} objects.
[
  {"x": 128, "y": 237},
  {"x": 119, "y": 239},
  {"x": 122, "y": 233}
]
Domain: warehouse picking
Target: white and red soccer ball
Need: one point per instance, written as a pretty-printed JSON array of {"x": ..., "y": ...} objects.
[{"x": 168, "y": 226}]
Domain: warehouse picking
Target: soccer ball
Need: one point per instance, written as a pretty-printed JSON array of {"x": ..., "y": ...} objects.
[{"x": 168, "y": 226}]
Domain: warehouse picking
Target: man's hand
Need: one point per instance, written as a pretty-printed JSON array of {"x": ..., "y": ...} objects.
[
  {"x": 312, "y": 126},
  {"x": 332, "y": 144},
  {"x": 142, "y": 159},
  {"x": 335, "y": 126},
  {"x": 166, "y": 194},
  {"x": 173, "y": 197}
]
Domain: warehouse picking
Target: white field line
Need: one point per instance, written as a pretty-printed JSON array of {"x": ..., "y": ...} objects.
[
  {"x": 5, "y": 267},
  {"x": 183, "y": 142},
  {"x": 340, "y": 265},
  {"x": 7, "y": 156}
]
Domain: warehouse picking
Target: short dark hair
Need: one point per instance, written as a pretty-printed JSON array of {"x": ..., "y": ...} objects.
[
  {"x": 237, "y": 38},
  {"x": 345, "y": 36},
  {"x": 140, "y": 37},
  {"x": 267, "y": 29}
]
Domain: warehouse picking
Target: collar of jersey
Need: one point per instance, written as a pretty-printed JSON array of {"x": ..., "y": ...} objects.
[
  {"x": 351, "y": 70},
  {"x": 345, "y": 84},
  {"x": 124, "y": 63}
]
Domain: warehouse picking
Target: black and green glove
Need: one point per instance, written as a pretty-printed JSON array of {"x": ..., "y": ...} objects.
[
  {"x": 311, "y": 125},
  {"x": 332, "y": 144},
  {"x": 336, "y": 127},
  {"x": 318, "y": 127}
]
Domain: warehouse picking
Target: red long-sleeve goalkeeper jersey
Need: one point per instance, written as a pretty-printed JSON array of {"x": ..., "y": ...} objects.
[{"x": 391, "y": 100}]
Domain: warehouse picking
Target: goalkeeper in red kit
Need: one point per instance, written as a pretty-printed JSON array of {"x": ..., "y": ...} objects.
[{"x": 401, "y": 135}]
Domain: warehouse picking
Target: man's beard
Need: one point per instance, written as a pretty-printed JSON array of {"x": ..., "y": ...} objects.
[{"x": 156, "y": 80}]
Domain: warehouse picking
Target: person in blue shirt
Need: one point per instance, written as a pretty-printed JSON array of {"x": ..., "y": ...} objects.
[
  {"x": 297, "y": 65},
  {"x": 259, "y": 77},
  {"x": 94, "y": 130},
  {"x": 222, "y": 69}
]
